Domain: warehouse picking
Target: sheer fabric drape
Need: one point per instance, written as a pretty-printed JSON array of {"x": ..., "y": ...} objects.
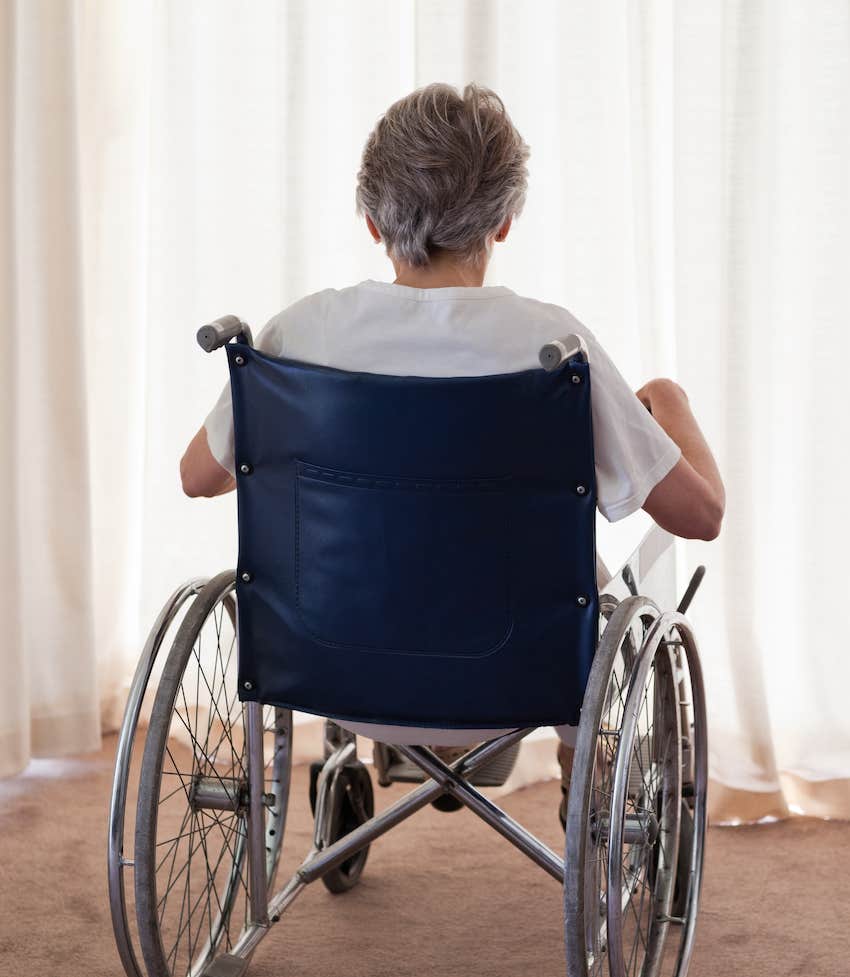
[
  {"x": 689, "y": 200},
  {"x": 49, "y": 682}
]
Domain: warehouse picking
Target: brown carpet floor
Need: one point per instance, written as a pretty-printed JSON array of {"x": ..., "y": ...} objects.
[{"x": 442, "y": 895}]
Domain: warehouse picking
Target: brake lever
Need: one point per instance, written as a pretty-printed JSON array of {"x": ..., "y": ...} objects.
[{"x": 692, "y": 588}]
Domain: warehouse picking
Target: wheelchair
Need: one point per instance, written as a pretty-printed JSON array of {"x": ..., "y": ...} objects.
[{"x": 417, "y": 553}]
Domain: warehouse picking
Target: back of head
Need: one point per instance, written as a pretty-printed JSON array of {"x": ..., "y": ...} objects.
[{"x": 441, "y": 172}]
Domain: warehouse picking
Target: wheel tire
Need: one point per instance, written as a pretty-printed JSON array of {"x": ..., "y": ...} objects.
[
  {"x": 585, "y": 940},
  {"x": 352, "y": 804},
  {"x": 152, "y": 906},
  {"x": 316, "y": 768},
  {"x": 686, "y": 841},
  {"x": 689, "y": 872},
  {"x": 447, "y": 803},
  {"x": 654, "y": 760},
  {"x": 166, "y": 624}
]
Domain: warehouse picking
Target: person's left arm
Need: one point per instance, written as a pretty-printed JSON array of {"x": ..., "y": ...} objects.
[{"x": 200, "y": 473}]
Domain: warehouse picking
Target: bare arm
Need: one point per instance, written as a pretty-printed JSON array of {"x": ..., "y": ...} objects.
[
  {"x": 690, "y": 500},
  {"x": 200, "y": 473}
]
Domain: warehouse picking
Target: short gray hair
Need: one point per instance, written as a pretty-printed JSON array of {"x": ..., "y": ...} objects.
[{"x": 441, "y": 172}]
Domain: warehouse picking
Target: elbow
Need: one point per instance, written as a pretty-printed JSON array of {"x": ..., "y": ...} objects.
[
  {"x": 699, "y": 520},
  {"x": 206, "y": 485},
  {"x": 709, "y": 532},
  {"x": 687, "y": 506},
  {"x": 710, "y": 520},
  {"x": 190, "y": 489},
  {"x": 201, "y": 475},
  {"x": 190, "y": 483}
]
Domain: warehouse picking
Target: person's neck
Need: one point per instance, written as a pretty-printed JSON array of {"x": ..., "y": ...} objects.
[{"x": 440, "y": 275}]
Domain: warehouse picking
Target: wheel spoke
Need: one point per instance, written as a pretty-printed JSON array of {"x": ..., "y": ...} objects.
[{"x": 173, "y": 850}]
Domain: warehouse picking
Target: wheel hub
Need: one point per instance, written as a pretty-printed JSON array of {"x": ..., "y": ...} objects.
[
  {"x": 638, "y": 829},
  {"x": 218, "y": 794}
]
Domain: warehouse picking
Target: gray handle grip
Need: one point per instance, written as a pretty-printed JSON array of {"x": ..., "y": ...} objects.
[
  {"x": 553, "y": 354},
  {"x": 221, "y": 331}
]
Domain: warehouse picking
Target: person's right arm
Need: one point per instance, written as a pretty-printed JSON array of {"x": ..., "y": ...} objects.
[{"x": 690, "y": 500}]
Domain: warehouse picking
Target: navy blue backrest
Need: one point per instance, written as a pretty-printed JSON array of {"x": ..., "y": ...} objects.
[{"x": 415, "y": 550}]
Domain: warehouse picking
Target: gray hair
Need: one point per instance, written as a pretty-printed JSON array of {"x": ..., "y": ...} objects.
[{"x": 442, "y": 172}]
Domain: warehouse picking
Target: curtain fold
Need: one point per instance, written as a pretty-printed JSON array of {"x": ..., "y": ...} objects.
[
  {"x": 48, "y": 702},
  {"x": 689, "y": 200}
]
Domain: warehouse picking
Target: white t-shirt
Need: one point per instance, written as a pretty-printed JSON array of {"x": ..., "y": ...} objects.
[{"x": 379, "y": 327}]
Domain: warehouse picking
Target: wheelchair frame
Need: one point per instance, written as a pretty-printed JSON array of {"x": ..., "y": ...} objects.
[{"x": 637, "y": 621}]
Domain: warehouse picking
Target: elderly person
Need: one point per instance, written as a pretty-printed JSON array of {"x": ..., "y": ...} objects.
[{"x": 443, "y": 175}]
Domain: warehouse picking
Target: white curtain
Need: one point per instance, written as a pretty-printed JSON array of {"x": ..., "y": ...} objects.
[
  {"x": 689, "y": 200},
  {"x": 48, "y": 669}
]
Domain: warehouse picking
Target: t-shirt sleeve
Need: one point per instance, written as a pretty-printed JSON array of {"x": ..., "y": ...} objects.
[{"x": 632, "y": 451}]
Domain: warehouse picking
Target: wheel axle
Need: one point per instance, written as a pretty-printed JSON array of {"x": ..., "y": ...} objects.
[
  {"x": 218, "y": 794},
  {"x": 638, "y": 829}
]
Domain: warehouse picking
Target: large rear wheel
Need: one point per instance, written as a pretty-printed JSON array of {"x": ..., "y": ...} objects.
[
  {"x": 644, "y": 814},
  {"x": 591, "y": 783},
  {"x": 191, "y": 844}
]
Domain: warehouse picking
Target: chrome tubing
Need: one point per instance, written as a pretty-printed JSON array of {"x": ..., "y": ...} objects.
[
  {"x": 315, "y": 866},
  {"x": 256, "y": 815},
  {"x": 318, "y": 863},
  {"x": 505, "y": 825}
]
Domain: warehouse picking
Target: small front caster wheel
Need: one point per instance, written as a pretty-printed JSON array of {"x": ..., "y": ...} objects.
[{"x": 351, "y": 802}]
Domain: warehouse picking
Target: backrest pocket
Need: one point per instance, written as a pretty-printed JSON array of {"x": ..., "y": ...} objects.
[{"x": 403, "y": 565}]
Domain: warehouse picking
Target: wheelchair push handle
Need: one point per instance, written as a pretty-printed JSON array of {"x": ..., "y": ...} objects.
[
  {"x": 560, "y": 350},
  {"x": 221, "y": 331}
]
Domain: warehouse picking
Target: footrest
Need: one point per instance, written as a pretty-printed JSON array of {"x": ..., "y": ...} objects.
[
  {"x": 492, "y": 774},
  {"x": 227, "y": 966}
]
